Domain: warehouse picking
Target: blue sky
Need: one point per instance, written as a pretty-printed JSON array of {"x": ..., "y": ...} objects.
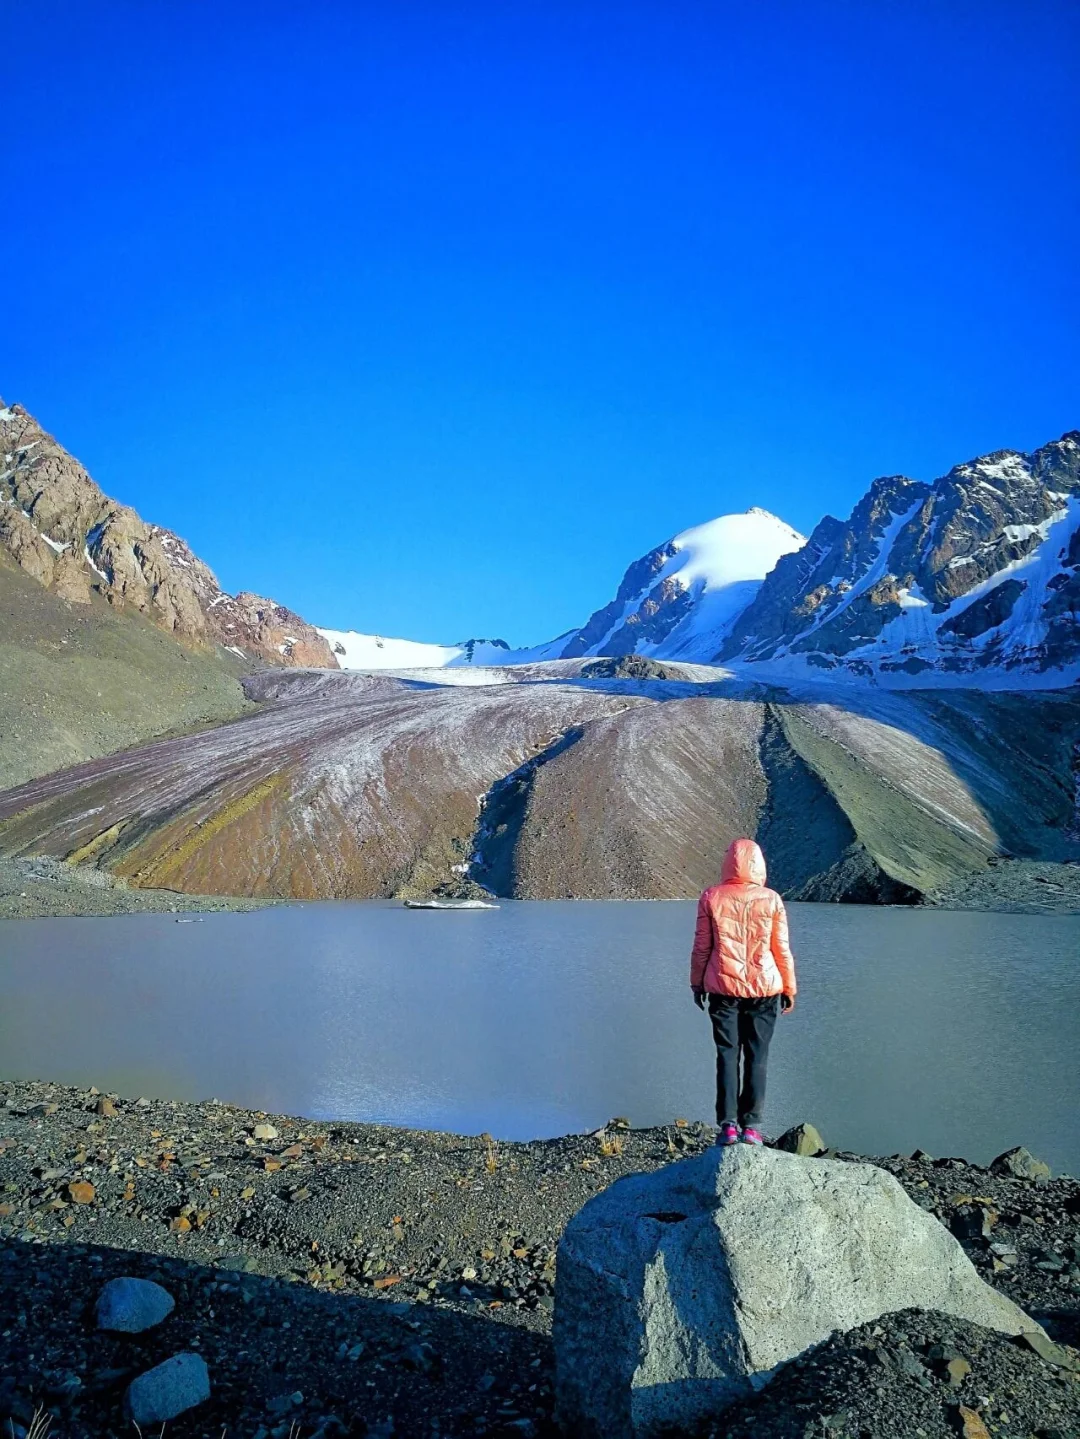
[{"x": 427, "y": 318}]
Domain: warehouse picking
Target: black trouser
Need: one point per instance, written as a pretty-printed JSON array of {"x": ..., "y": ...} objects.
[{"x": 742, "y": 1027}]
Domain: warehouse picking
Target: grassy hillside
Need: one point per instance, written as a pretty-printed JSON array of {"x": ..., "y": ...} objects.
[{"x": 79, "y": 681}]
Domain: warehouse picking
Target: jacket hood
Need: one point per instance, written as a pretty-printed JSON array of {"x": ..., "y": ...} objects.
[{"x": 744, "y": 863}]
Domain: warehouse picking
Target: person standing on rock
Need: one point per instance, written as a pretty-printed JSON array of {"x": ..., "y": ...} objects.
[{"x": 742, "y": 967}]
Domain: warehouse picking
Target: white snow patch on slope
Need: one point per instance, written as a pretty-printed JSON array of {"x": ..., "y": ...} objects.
[
  {"x": 379, "y": 652},
  {"x": 376, "y": 652}
]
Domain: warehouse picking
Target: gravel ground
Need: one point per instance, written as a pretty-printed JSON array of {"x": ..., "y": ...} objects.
[
  {"x": 1015, "y": 886},
  {"x": 43, "y": 888},
  {"x": 360, "y": 1279}
]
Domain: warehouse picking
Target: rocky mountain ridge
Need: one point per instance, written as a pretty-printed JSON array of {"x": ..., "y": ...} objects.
[
  {"x": 60, "y": 528},
  {"x": 975, "y": 573}
]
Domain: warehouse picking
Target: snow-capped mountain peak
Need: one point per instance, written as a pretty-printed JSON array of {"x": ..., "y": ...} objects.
[{"x": 681, "y": 599}]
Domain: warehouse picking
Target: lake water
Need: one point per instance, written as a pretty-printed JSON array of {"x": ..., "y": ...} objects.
[{"x": 950, "y": 1031}]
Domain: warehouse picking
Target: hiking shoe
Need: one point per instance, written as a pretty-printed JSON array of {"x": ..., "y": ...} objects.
[
  {"x": 751, "y": 1136},
  {"x": 729, "y": 1134}
]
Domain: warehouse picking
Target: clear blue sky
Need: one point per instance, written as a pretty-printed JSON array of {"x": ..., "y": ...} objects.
[{"x": 427, "y": 318}]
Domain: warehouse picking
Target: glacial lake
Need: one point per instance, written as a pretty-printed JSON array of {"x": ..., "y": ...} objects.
[{"x": 953, "y": 1032}]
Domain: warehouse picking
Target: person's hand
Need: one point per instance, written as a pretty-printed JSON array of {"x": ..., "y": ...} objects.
[
  {"x": 699, "y": 996},
  {"x": 787, "y": 1003}
]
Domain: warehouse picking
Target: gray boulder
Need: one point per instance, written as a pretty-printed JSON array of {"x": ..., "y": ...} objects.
[
  {"x": 682, "y": 1291},
  {"x": 168, "y": 1389},
  {"x": 132, "y": 1305},
  {"x": 801, "y": 1139},
  {"x": 1021, "y": 1164}
]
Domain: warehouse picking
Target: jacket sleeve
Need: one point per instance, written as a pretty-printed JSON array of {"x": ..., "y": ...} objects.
[
  {"x": 781, "y": 949},
  {"x": 703, "y": 943}
]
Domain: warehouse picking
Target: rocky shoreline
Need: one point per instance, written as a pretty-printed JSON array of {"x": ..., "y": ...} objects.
[
  {"x": 360, "y": 1279},
  {"x": 44, "y": 888}
]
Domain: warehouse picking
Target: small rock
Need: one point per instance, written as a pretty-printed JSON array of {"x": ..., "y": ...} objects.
[
  {"x": 957, "y": 1370},
  {"x": 240, "y": 1262},
  {"x": 1020, "y": 1163},
  {"x": 106, "y": 1107},
  {"x": 264, "y": 1131},
  {"x": 907, "y": 1363},
  {"x": 421, "y": 1357},
  {"x": 281, "y": 1403},
  {"x": 168, "y": 1389},
  {"x": 973, "y": 1221},
  {"x": 81, "y": 1192},
  {"x": 801, "y": 1139},
  {"x": 973, "y": 1427},
  {"x": 1050, "y": 1352},
  {"x": 131, "y": 1305}
]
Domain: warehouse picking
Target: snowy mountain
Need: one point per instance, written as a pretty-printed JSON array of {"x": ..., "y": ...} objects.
[
  {"x": 974, "y": 578},
  {"x": 677, "y": 602},
  {"x": 681, "y": 599}
]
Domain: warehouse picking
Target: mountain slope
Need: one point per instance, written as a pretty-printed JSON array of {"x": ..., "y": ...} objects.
[
  {"x": 82, "y": 680},
  {"x": 59, "y": 527},
  {"x": 974, "y": 578},
  {"x": 551, "y": 785}
]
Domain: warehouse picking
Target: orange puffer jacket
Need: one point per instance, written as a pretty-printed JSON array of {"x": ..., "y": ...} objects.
[{"x": 741, "y": 941}]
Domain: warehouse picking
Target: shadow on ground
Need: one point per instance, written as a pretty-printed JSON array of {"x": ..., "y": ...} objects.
[{"x": 283, "y": 1358}]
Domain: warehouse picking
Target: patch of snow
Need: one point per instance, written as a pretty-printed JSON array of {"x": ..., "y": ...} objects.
[
  {"x": 53, "y": 544},
  {"x": 217, "y": 600},
  {"x": 380, "y": 652},
  {"x": 90, "y": 561},
  {"x": 913, "y": 598},
  {"x": 236, "y": 651},
  {"x": 1009, "y": 467},
  {"x": 374, "y": 652}
]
